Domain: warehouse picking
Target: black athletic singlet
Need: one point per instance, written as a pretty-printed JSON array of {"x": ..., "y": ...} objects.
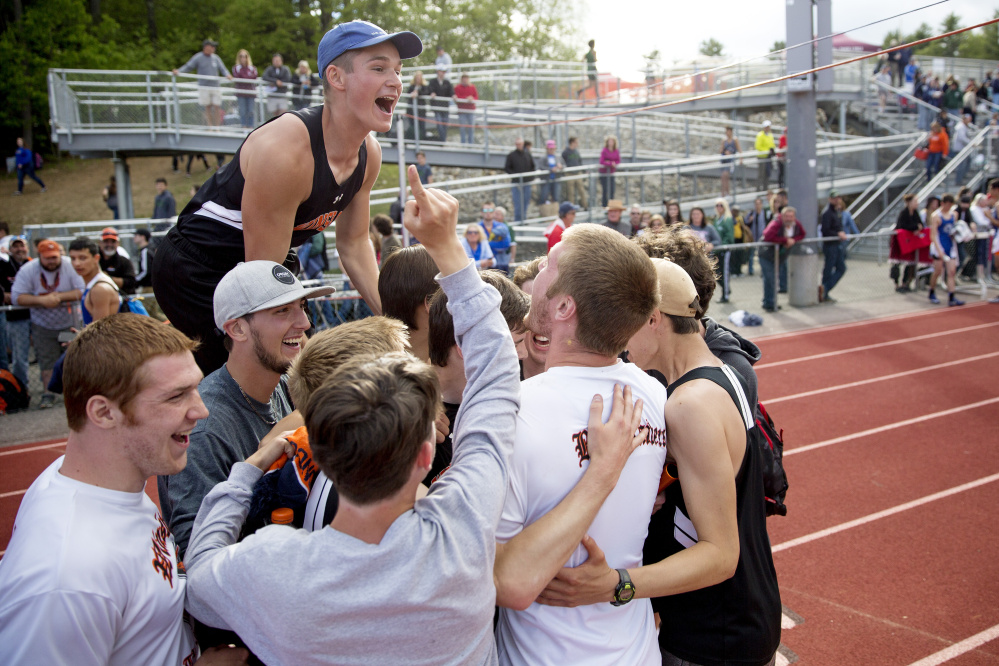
[
  {"x": 736, "y": 621},
  {"x": 213, "y": 219}
]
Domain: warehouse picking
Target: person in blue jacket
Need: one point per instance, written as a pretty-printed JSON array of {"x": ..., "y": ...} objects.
[{"x": 25, "y": 159}]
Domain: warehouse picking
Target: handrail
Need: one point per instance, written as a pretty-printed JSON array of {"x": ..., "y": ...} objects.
[{"x": 889, "y": 176}]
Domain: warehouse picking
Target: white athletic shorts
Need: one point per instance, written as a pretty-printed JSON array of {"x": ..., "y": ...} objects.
[
  {"x": 277, "y": 103},
  {"x": 209, "y": 96}
]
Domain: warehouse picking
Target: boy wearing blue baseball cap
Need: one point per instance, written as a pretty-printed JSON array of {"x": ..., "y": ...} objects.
[{"x": 291, "y": 179}]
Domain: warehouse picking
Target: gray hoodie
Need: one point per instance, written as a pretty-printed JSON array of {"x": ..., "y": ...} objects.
[{"x": 736, "y": 351}]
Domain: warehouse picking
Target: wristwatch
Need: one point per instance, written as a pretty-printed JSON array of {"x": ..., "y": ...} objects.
[{"x": 625, "y": 590}]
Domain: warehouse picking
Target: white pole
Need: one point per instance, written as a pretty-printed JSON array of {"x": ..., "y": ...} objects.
[{"x": 400, "y": 141}]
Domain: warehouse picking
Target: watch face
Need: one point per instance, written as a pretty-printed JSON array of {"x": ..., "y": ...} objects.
[{"x": 627, "y": 592}]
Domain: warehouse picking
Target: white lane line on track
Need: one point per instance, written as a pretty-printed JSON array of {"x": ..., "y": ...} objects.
[
  {"x": 884, "y": 514},
  {"x": 876, "y": 345},
  {"x": 865, "y": 322},
  {"x": 12, "y": 493},
  {"x": 882, "y": 378},
  {"x": 33, "y": 448},
  {"x": 957, "y": 649},
  {"x": 890, "y": 426}
]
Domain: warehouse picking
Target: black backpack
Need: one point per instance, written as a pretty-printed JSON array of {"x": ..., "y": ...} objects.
[
  {"x": 770, "y": 443},
  {"x": 13, "y": 396}
]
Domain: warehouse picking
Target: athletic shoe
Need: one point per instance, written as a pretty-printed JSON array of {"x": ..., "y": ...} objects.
[
  {"x": 47, "y": 401},
  {"x": 723, "y": 300},
  {"x": 934, "y": 299},
  {"x": 994, "y": 300},
  {"x": 828, "y": 299},
  {"x": 954, "y": 301},
  {"x": 17, "y": 193},
  {"x": 44, "y": 190}
]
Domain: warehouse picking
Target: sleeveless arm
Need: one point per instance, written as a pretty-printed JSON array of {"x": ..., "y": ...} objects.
[
  {"x": 278, "y": 180},
  {"x": 352, "y": 239},
  {"x": 102, "y": 301}
]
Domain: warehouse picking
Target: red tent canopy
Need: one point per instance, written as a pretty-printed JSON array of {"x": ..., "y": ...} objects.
[{"x": 844, "y": 43}]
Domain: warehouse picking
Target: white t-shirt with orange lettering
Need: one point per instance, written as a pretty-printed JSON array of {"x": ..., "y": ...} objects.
[
  {"x": 91, "y": 577},
  {"x": 550, "y": 455}
]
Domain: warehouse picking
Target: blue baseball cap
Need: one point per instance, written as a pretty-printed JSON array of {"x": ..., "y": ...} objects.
[
  {"x": 359, "y": 35},
  {"x": 566, "y": 208}
]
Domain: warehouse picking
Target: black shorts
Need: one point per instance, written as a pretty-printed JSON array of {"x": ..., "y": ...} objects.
[{"x": 184, "y": 281}]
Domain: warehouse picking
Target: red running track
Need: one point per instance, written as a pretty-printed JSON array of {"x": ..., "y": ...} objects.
[{"x": 888, "y": 554}]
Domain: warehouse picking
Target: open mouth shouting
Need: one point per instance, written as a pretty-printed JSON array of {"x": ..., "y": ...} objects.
[
  {"x": 386, "y": 104},
  {"x": 182, "y": 438}
]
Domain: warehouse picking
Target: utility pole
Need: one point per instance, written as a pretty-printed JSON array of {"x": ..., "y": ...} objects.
[{"x": 802, "y": 163}]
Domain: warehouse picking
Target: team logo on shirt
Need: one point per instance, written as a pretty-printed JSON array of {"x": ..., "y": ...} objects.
[
  {"x": 655, "y": 437},
  {"x": 321, "y": 222},
  {"x": 162, "y": 563}
]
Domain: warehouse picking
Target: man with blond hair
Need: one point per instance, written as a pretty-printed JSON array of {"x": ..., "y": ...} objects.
[{"x": 594, "y": 290}]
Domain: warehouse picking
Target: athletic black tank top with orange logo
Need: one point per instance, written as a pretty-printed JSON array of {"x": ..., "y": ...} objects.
[{"x": 213, "y": 219}]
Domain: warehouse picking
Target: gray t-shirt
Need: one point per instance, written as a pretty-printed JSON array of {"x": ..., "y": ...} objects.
[
  {"x": 229, "y": 435},
  {"x": 29, "y": 281},
  {"x": 205, "y": 65},
  {"x": 425, "y": 593}
]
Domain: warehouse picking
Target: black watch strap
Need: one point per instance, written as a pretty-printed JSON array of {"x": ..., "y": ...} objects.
[{"x": 625, "y": 590}]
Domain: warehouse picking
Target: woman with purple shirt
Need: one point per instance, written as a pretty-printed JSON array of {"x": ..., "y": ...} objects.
[
  {"x": 245, "y": 92},
  {"x": 610, "y": 157}
]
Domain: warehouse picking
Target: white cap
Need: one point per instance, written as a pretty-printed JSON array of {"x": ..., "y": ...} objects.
[
  {"x": 253, "y": 286},
  {"x": 766, "y": 123}
]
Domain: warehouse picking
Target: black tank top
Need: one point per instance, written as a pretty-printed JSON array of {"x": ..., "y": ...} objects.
[
  {"x": 736, "y": 621},
  {"x": 213, "y": 218}
]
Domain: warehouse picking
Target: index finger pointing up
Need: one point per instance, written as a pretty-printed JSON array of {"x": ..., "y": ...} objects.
[{"x": 414, "y": 182}]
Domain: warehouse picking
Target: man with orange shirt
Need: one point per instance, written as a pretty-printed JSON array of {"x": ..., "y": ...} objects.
[{"x": 939, "y": 146}]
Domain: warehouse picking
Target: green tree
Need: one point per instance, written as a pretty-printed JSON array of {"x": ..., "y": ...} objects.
[
  {"x": 779, "y": 45},
  {"x": 52, "y": 33},
  {"x": 711, "y": 47}
]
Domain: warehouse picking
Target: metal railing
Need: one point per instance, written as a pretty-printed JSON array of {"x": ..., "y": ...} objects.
[{"x": 164, "y": 106}]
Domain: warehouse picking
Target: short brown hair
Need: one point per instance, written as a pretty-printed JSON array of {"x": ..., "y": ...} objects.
[
  {"x": 367, "y": 422},
  {"x": 344, "y": 61},
  {"x": 328, "y": 350},
  {"x": 383, "y": 223},
  {"x": 685, "y": 249},
  {"x": 106, "y": 359},
  {"x": 514, "y": 305},
  {"x": 527, "y": 271},
  {"x": 406, "y": 282},
  {"x": 611, "y": 281}
]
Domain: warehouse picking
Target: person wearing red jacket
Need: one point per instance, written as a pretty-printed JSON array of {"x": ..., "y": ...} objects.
[
  {"x": 465, "y": 95},
  {"x": 784, "y": 231}
]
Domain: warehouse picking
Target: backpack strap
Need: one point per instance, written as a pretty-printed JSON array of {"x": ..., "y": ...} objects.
[{"x": 726, "y": 378}]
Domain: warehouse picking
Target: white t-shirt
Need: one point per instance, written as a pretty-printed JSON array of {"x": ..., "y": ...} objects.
[
  {"x": 549, "y": 457},
  {"x": 90, "y": 577}
]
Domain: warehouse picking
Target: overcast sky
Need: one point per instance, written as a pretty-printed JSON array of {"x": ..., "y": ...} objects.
[{"x": 627, "y": 29}]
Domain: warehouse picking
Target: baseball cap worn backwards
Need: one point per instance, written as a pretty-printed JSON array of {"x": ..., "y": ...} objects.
[
  {"x": 359, "y": 35},
  {"x": 253, "y": 286},
  {"x": 677, "y": 294}
]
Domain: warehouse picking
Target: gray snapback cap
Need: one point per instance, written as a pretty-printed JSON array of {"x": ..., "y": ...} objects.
[{"x": 253, "y": 286}]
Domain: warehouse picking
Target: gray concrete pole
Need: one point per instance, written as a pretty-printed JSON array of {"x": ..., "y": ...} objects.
[
  {"x": 400, "y": 142},
  {"x": 123, "y": 181},
  {"x": 801, "y": 159}
]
